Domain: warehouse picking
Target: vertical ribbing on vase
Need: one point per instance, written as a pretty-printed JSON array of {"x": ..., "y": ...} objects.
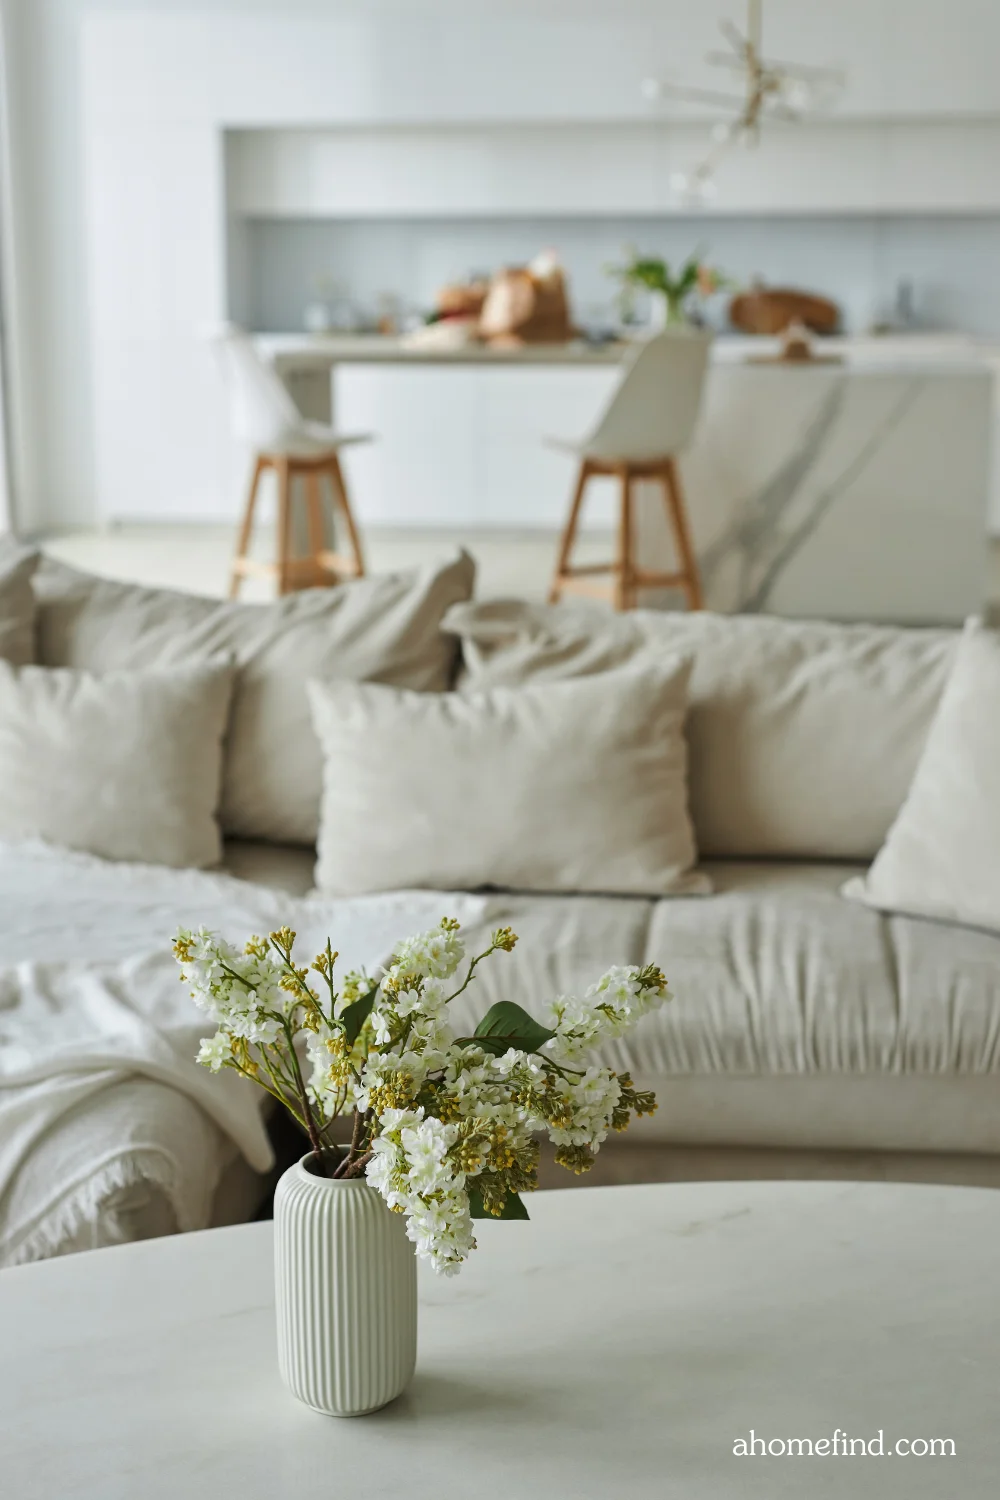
[{"x": 345, "y": 1280}]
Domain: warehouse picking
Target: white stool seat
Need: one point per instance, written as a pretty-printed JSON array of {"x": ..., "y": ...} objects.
[
  {"x": 314, "y": 440},
  {"x": 582, "y": 448}
]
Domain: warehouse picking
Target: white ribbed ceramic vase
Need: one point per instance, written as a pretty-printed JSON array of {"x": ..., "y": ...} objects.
[{"x": 346, "y": 1290}]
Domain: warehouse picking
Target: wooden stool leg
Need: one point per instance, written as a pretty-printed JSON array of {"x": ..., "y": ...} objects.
[
  {"x": 624, "y": 588},
  {"x": 246, "y": 526},
  {"x": 340, "y": 495},
  {"x": 569, "y": 533},
  {"x": 677, "y": 513},
  {"x": 284, "y": 528},
  {"x": 314, "y": 523}
]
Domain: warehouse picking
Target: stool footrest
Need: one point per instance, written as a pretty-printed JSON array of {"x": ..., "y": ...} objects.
[
  {"x": 646, "y": 580},
  {"x": 641, "y": 577},
  {"x": 336, "y": 562},
  {"x": 586, "y": 586}
]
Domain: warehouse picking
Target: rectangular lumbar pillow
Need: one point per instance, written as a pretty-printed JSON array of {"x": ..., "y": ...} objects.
[
  {"x": 380, "y": 629},
  {"x": 576, "y": 786},
  {"x": 803, "y": 735},
  {"x": 126, "y": 766},
  {"x": 942, "y": 854}
]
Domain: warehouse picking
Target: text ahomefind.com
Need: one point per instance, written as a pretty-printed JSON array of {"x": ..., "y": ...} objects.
[{"x": 840, "y": 1445}]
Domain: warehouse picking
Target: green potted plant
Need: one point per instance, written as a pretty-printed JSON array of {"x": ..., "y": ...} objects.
[{"x": 670, "y": 292}]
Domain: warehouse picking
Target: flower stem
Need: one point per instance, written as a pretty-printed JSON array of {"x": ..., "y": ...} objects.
[
  {"x": 300, "y": 1088},
  {"x": 357, "y": 1136}
]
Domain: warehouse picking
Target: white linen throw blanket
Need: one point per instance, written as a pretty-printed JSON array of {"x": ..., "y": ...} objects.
[{"x": 90, "y": 998}]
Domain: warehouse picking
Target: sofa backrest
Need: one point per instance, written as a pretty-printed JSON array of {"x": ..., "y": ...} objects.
[
  {"x": 381, "y": 629},
  {"x": 803, "y": 736}
]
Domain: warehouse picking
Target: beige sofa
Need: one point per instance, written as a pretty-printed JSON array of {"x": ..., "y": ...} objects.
[{"x": 809, "y": 1033}]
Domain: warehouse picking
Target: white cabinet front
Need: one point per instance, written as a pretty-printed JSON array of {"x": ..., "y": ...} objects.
[{"x": 466, "y": 446}]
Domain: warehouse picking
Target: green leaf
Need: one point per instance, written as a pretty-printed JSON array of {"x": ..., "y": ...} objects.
[
  {"x": 507, "y": 1025},
  {"x": 512, "y": 1209},
  {"x": 356, "y": 1014}
]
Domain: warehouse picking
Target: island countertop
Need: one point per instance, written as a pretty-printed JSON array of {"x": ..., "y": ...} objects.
[{"x": 887, "y": 354}]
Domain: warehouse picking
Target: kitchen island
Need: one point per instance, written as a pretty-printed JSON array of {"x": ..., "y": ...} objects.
[{"x": 861, "y": 488}]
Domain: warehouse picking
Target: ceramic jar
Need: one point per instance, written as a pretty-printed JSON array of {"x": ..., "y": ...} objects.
[{"x": 346, "y": 1292}]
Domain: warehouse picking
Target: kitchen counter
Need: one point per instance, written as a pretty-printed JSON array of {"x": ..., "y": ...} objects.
[
  {"x": 910, "y": 353},
  {"x": 863, "y": 488}
]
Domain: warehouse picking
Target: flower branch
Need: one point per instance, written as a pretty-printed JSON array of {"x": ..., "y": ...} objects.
[{"x": 445, "y": 1128}]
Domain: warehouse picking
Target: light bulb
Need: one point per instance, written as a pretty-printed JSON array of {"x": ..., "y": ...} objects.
[
  {"x": 797, "y": 93},
  {"x": 693, "y": 187}
]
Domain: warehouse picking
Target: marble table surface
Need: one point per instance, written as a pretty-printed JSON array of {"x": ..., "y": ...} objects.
[
  {"x": 620, "y": 1345},
  {"x": 908, "y": 354}
]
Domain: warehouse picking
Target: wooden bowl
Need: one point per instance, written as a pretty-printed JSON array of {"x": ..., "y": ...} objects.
[{"x": 769, "y": 310}]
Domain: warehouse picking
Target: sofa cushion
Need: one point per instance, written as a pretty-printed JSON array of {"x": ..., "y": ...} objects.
[
  {"x": 381, "y": 629},
  {"x": 803, "y": 736},
  {"x": 579, "y": 786},
  {"x": 778, "y": 974},
  {"x": 126, "y": 765},
  {"x": 799, "y": 1020},
  {"x": 942, "y": 855},
  {"x": 805, "y": 1020}
]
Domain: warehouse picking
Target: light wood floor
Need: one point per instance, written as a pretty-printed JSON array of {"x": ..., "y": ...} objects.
[{"x": 197, "y": 558}]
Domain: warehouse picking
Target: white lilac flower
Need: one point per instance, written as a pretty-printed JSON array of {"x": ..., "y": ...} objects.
[
  {"x": 411, "y": 1169},
  {"x": 381, "y": 1023},
  {"x": 607, "y": 1010},
  {"x": 578, "y": 1027},
  {"x": 622, "y": 991},
  {"x": 422, "y": 1006},
  {"x": 328, "y": 1054},
  {"x": 388, "y": 1078},
  {"x": 426, "y": 1147},
  {"x": 430, "y": 955},
  {"x": 235, "y": 989},
  {"x": 215, "y": 1051},
  {"x": 441, "y": 1232},
  {"x": 592, "y": 1098}
]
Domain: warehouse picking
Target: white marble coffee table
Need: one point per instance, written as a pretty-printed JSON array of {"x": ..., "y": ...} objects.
[{"x": 617, "y": 1346}]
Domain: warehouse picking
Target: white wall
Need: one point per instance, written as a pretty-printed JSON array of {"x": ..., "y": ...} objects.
[
  {"x": 907, "y": 58},
  {"x": 48, "y": 314}
]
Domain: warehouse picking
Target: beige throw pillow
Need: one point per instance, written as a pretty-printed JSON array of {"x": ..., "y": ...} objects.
[
  {"x": 803, "y": 736},
  {"x": 942, "y": 855},
  {"x": 577, "y": 786},
  {"x": 125, "y": 766},
  {"x": 380, "y": 629},
  {"x": 17, "y": 603}
]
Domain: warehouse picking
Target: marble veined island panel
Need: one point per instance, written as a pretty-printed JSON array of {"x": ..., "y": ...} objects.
[
  {"x": 848, "y": 494},
  {"x": 851, "y": 490}
]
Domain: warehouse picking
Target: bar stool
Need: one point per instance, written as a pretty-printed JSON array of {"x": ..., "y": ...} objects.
[
  {"x": 265, "y": 417},
  {"x": 648, "y": 420}
]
